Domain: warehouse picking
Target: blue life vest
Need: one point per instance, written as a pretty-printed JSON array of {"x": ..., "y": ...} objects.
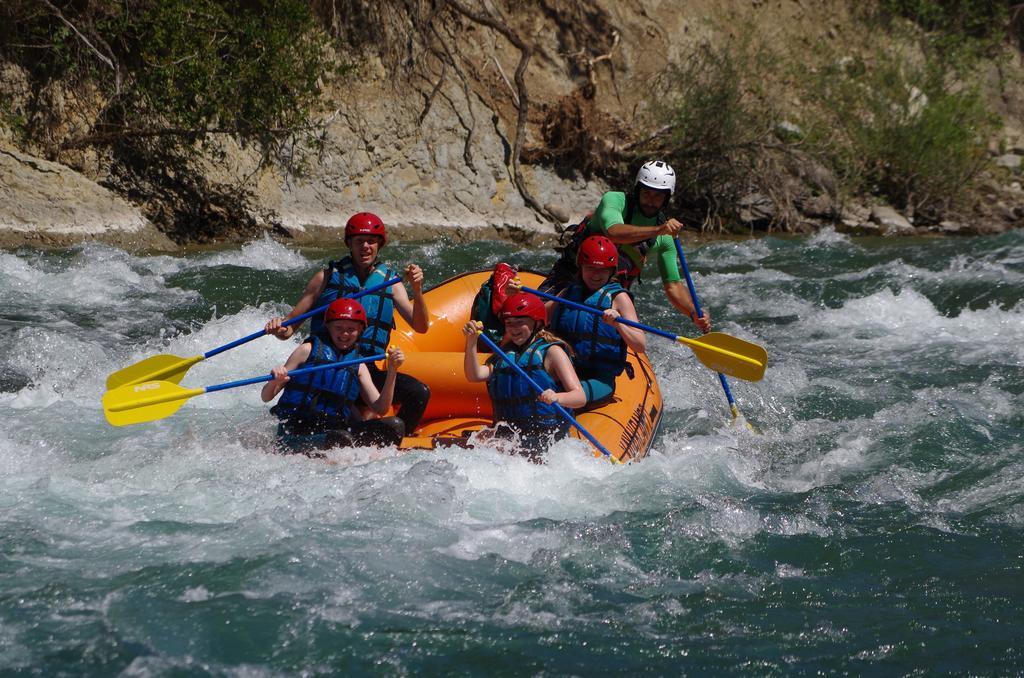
[
  {"x": 514, "y": 400},
  {"x": 342, "y": 281},
  {"x": 599, "y": 346},
  {"x": 323, "y": 395}
]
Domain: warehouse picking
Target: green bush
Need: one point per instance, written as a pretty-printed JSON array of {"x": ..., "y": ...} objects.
[
  {"x": 909, "y": 133},
  {"x": 983, "y": 20},
  {"x": 718, "y": 116},
  {"x": 247, "y": 67}
]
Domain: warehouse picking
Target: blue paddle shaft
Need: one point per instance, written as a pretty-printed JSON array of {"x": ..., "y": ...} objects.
[
  {"x": 536, "y": 387},
  {"x": 597, "y": 311},
  {"x": 699, "y": 313},
  {"x": 297, "y": 319},
  {"x": 295, "y": 373},
  {"x": 689, "y": 280}
]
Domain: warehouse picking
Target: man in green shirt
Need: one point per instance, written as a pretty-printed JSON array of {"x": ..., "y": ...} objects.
[{"x": 637, "y": 224}]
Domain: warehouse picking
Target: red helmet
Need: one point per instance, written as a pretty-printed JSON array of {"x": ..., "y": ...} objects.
[
  {"x": 345, "y": 309},
  {"x": 524, "y": 305},
  {"x": 597, "y": 250},
  {"x": 365, "y": 223}
]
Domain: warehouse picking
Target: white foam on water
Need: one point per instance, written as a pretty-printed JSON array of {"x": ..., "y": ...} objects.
[
  {"x": 424, "y": 253},
  {"x": 21, "y": 465},
  {"x": 200, "y": 486},
  {"x": 85, "y": 282},
  {"x": 263, "y": 254},
  {"x": 827, "y": 238},
  {"x": 370, "y": 528},
  {"x": 742, "y": 295},
  {"x": 17, "y": 273},
  {"x": 58, "y": 364},
  {"x": 907, "y": 321},
  {"x": 985, "y": 269},
  {"x": 835, "y": 466},
  {"x": 722, "y": 254},
  {"x": 896, "y": 270}
]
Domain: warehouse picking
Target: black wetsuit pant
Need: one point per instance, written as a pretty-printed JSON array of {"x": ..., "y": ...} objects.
[
  {"x": 534, "y": 440},
  {"x": 311, "y": 436},
  {"x": 411, "y": 396}
]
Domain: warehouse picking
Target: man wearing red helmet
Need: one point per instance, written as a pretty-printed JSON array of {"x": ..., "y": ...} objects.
[
  {"x": 318, "y": 410},
  {"x": 638, "y": 226},
  {"x": 543, "y": 357},
  {"x": 599, "y": 342},
  {"x": 365, "y": 234}
]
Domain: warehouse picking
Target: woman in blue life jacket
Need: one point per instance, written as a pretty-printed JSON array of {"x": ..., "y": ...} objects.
[
  {"x": 518, "y": 409},
  {"x": 318, "y": 410},
  {"x": 599, "y": 343}
]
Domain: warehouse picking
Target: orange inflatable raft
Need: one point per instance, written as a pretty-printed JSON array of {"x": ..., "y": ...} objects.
[{"x": 626, "y": 425}]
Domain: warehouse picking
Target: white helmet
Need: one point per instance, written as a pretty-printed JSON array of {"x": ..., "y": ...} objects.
[{"x": 657, "y": 174}]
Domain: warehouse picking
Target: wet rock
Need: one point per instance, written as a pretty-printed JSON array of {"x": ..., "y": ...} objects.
[
  {"x": 891, "y": 221},
  {"x": 1007, "y": 212},
  {"x": 563, "y": 215},
  {"x": 755, "y": 207},
  {"x": 817, "y": 206},
  {"x": 854, "y": 220},
  {"x": 47, "y": 204}
]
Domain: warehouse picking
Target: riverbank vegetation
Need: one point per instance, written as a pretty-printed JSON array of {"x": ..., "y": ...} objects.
[
  {"x": 146, "y": 90},
  {"x": 757, "y": 131},
  {"x": 182, "y": 69},
  {"x": 766, "y": 133}
]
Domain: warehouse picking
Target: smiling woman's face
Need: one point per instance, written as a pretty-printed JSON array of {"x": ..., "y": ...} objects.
[
  {"x": 520, "y": 329},
  {"x": 344, "y": 333}
]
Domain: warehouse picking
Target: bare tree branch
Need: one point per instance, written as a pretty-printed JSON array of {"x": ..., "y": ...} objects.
[
  {"x": 501, "y": 72},
  {"x": 108, "y": 59},
  {"x": 433, "y": 92},
  {"x": 523, "y": 106}
]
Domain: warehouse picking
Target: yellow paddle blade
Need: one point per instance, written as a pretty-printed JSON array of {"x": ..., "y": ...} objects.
[
  {"x": 164, "y": 367},
  {"x": 729, "y": 355},
  {"x": 148, "y": 401}
]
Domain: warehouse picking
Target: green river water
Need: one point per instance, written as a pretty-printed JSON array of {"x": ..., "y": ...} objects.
[{"x": 874, "y": 524}]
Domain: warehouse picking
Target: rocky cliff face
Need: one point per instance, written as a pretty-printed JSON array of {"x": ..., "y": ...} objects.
[
  {"x": 431, "y": 145},
  {"x": 48, "y": 204}
]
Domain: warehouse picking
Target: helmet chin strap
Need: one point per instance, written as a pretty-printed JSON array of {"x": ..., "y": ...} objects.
[{"x": 536, "y": 330}]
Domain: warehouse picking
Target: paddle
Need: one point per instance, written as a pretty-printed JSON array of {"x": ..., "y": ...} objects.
[
  {"x": 172, "y": 368},
  {"x": 696, "y": 309},
  {"x": 152, "y": 400},
  {"x": 719, "y": 351},
  {"x": 536, "y": 387}
]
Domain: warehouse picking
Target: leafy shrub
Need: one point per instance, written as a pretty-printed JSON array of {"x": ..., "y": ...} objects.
[
  {"x": 246, "y": 67},
  {"x": 908, "y": 132},
  {"x": 956, "y": 26},
  {"x": 718, "y": 116}
]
